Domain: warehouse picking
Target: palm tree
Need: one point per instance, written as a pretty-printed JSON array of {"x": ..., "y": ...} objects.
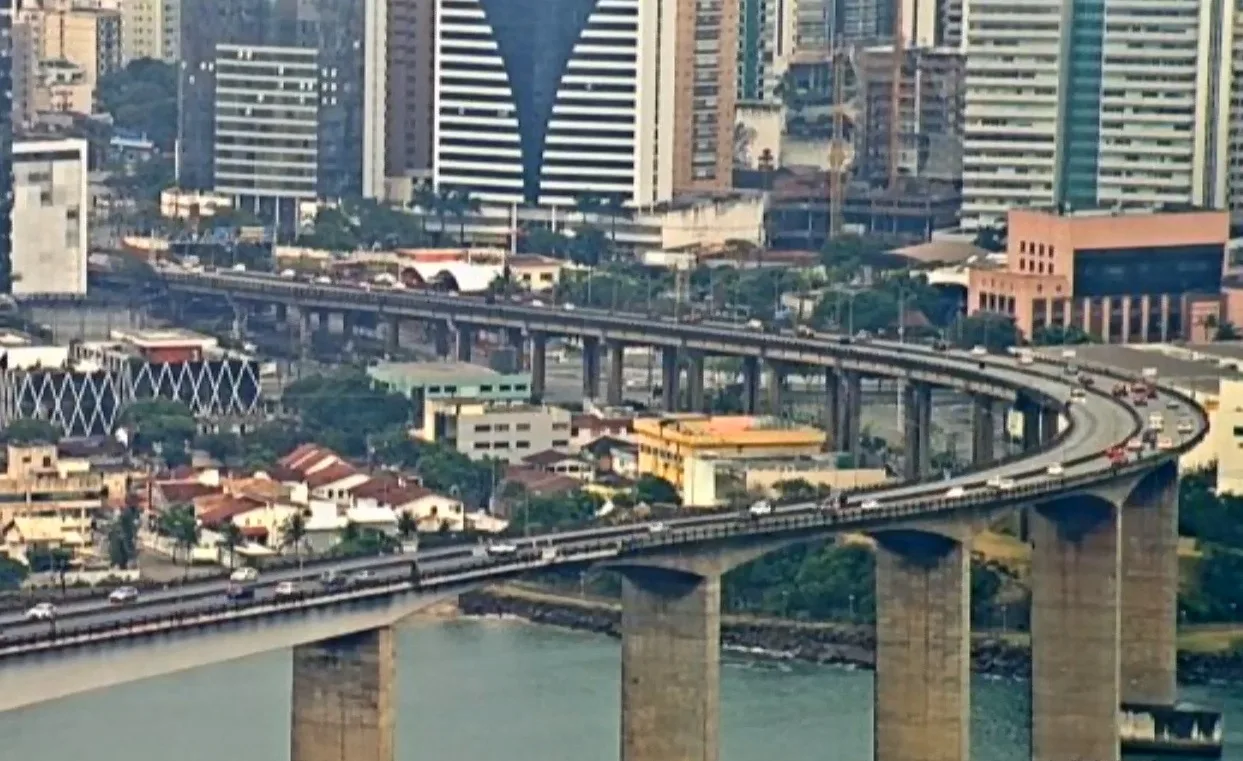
[
  {"x": 231, "y": 538},
  {"x": 588, "y": 203},
  {"x": 424, "y": 199},
  {"x": 407, "y": 525},
  {"x": 180, "y": 524},
  {"x": 614, "y": 207},
  {"x": 293, "y": 531},
  {"x": 443, "y": 205},
  {"x": 464, "y": 204}
]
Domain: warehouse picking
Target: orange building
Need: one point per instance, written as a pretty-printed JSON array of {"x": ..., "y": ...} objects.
[{"x": 1121, "y": 276}]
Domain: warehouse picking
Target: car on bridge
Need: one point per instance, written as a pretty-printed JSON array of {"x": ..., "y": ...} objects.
[
  {"x": 287, "y": 589},
  {"x": 243, "y": 575},
  {"x": 762, "y": 507},
  {"x": 238, "y": 592},
  {"x": 123, "y": 595},
  {"x": 44, "y": 611}
]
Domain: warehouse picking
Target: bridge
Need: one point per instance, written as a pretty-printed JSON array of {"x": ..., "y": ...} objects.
[{"x": 1104, "y": 565}]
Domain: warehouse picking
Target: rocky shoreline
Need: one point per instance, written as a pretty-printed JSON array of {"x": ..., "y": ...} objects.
[{"x": 822, "y": 643}]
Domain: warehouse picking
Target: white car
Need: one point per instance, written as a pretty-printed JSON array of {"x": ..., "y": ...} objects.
[
  {"x": 655, "y": 528},
  {"x": 44, "y": 611},
  {"x": 870, "y": 504},
  {"x": 322, "y": 280},
  {"x": 567, "y": 306},
  {"x": 978, "y": 351},
  {"x": 536, "y": 303},
  {"x": 1165, "y": 443},
  {"x": 1186, "y": 426},
  {"x": 1055, "y": 470},
  {"x": 286, "y": 589},
  {"x": 122, "y": 595},
  {"x": 502, "y": 548},
  {"x": 955, "y": 492},
  {"x": 242, "y": 575},
  {"x": 288, "y": 274},
  {"x": 239, "y": 267},
  {"x": 1001, "y": 484},
  {"x": 763, "y": 507}
]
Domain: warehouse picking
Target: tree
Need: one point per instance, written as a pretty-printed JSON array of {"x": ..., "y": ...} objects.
[
  {"x": 142, "y": 98},
  {"x": 293, "y": 532},
  {"x": 992, "y": 330},
  {"x": 346, "y": 409},
  {"x": 55, "y": 560},
  {"x": 797, "y": 489},
  {"x": 123, "y": 539},
  {"x": 160, "y": 427},
  {"x": 181, "y": 525},
  {"x": 991, "y": 238},
  {"x": 407, "y": 525},
  {"x": 230, "y": 539},
  {"x": 12, "y": 573},
  {"x": 464, "y": 204},
  {"x": 32, "y": 431},
  {"x": 1226, "y": 331},
  {"x": 1057, "y": 335},
  {"x": 655, "y": 491}
]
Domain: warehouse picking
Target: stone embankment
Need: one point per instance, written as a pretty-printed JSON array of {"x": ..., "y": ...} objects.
[{"x": 825, "y": 643}]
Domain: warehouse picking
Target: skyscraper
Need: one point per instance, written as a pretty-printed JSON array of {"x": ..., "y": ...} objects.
[
  {"x": 626, "y": 98},
  {"x": 1066, "y": 108},
  {"x": 6, "y": 145}
]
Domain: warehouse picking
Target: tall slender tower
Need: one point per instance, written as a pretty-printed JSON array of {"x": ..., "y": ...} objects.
[{"x": 6, "y": 144}]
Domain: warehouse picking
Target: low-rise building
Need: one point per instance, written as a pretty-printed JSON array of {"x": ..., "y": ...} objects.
[
  {"x": 1120, "y": 275},
  {"x": 437, "y": 381},
  {"x": 507, "y": 432},
  {"x": 714, "y": 480},
  {"x": 668, "y": 443},
  {"x": 560, "y": 463}
]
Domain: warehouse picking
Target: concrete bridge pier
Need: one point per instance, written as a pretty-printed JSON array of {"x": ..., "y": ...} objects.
[
  {"x": 539, "y": 366},
  {"x": 348, "y": 325},
  {"x": 516, "y": 340},
  {"x": 983, "y": 430},
  {"x": 695, "y": 382},
  {"x": 1031, "y": 424},
  {"x": 832, "y": 406},
  {"x": 923, "y": 648},
  {"x": 1150, "y": 589},
  {"x": 616, "y": 386},
  {"x": 1075, "y": 625},
  {"x": 852, "y": 413},
  {"x": 343, "y": 698},
  {"x": 750, "y": 384},
  {"x": 671, "y": 665},
  {"x": 302, "y": 329},
  {"x": 917, "y": 408},
  {"x": 464, "y": 342},
  {"x": 776, "y": 382},
  {"x": 392, "y": 335},
  {"x": 591, "y": 368},
  {"x": 280, "y": 313},
  {"x": 1049, "y": 419},
  {"x": 669, "y": 372},
  {"x": 440, "y": 338}
]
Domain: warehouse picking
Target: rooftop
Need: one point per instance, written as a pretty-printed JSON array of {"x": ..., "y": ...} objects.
[
  {"x": 431, "y": 372},
  {"x": 163, "y": 337},
  {"x": 706, "y": 426}
]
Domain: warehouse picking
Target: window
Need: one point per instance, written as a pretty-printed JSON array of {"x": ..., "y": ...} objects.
[
  {"x": 504, "y": 387},
  {"x": 483, "y": 428},
  {"x": 521, "y": 427},
  {"x": 501, "y": 445},
  {"x": 522, "y": 445},
  {"x": 482, "y": 445},
  {"x": 561, "y": 426},
  {"x": 502, "y": 427},
  {"x": 560, "y": 443}
]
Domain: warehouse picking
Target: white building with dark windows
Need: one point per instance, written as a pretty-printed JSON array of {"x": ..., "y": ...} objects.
[
  {"x": 545, "y": 101},
  {"x": 50, "y": 210},
  {"x": 267, "y": 125}
]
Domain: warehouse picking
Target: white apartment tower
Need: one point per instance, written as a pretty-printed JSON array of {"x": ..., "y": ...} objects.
[{"x": 1094, "y": 103}]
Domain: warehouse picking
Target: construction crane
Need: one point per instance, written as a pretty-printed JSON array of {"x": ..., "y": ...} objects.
[{"x": 839, "y": 56}]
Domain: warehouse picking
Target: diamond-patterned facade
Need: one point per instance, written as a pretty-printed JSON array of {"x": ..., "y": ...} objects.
[{"x": 89, "y": 403}]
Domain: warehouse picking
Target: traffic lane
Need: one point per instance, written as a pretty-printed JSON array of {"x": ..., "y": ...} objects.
[{"x": 119, "y": 614}]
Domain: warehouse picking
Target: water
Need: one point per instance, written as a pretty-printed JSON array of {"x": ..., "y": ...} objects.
[{"x": 475, "y": 691}]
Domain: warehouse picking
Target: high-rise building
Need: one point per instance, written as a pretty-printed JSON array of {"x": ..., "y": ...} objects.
[
  {"x": 150, "y": 29},
  {"x": 765, "y": 44},
  {"x": 1064, "y": 108},
  {"x": 50, "y": 206},
  {"x": 86, "y": 37},
  {"x": 249, "y": 119},
  {"x": 6, "y": 145},
  {"x": 410, "y": 98},
  {"x": 625, "y": 98}
]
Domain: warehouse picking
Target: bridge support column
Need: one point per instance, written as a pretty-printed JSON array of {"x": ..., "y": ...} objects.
[
  {"x": 347, "y": 329},
  {"x": 392, "y": 335},
  {"x": 669, "y": 372},
  {"x": 343, "y": 698},
  {"x": 515, "y": 339},
  {"x": 917, "y": 404},
  {"x": 671, "y": 666},
  {"x": 616, "y": 386},
  {"x": 539, "y": 357},
  {"x": 776, "y": 386},
  {"x": 591, "y": 368},
  {"x": 695, "y": 382},
  {"x": 1031, "y": 425},
  {"x": 750, "y": 384},
  {"x": 1150, "y": 590},
  {"x": 852, "y": 414},
  {"x": 303, "y": 330},
  {"x": 983, "y": 430},
  {"x": 832, "y": 407},
  {"x": 280, "y": 313},
  {"x": 440, "y": 338},
  {"x": 923, "y": 648},
  {"x": 1048, "y": 425},
  {"x": 464, "y": 340},
  {"x": 1075, "y": 630}
]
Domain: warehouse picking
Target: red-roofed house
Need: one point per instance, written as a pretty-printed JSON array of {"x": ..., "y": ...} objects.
[
  {"x": 334, "y": 481},
  {"x": 429, "y": 508},
  {"x": 587, "y": 427},
  {"x": 560, "y": 463}
]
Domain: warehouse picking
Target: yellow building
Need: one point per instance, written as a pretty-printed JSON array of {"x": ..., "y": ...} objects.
[{"x": 666, "y": 444}]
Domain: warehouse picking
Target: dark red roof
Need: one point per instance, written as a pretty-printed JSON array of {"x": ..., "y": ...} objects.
[
  {"x": 176, "y": 492},
  {"x": 223, "y": 508},
  {"x": 389, "y": 490},
  {"x": 330, "y": 474},
  {"x": 541, "y": 483}
]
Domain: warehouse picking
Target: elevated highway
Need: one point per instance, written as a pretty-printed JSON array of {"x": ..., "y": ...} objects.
[{"x": 1104, "y": 567}]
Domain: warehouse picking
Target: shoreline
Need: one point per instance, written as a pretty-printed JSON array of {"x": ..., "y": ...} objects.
[{"x": 807, "y": 642}]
